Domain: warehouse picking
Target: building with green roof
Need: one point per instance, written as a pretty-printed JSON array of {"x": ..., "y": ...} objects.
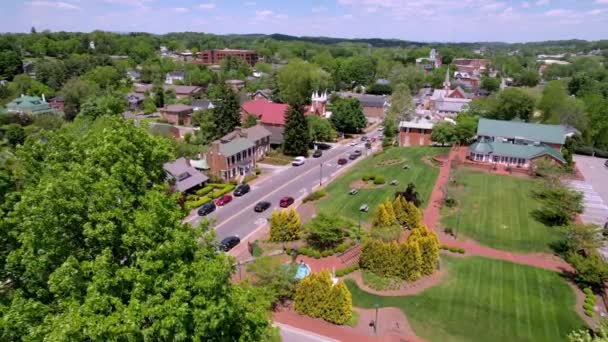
[
  {"x": 32, "y": 105},
  {"x": 517, "y": 144}
]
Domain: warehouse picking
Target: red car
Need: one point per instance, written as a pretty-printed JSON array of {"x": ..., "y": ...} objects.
[
  {"x": 286, "y": 202},
  {"x": 223, "y": 200}
]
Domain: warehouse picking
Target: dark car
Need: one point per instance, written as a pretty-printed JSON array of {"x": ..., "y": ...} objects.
[
  {"x": 323, "y": 146},
  {"x": 261, "y": 206},
  {"x": 317, "y": 154},
  {"x": 229, "y": 243},
  {"x": 242, "y": 189},
  {"x": 286, "y": 202},
  {"x": 353, "y": 156},
  {"x": 206, "y": 209},
  {"x": 342, "y": 161},
  {"x": 364, "y": 138},
  {"x": 606, "y": 163},
  {"x": 357, "y": 153}
]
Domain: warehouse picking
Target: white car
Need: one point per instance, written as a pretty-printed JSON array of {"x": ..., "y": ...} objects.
[
  {"x": 297, "y": 161},
  {"x": 354, "y": 143}
]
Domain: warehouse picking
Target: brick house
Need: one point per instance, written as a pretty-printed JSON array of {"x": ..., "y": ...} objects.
[
  {"x": 177, "y": 114},
  {"x": 415, "y": 133},
  {"x": 185, "y": 177},
  {"x": 216, "y": 56},
  {"x": 57, "y": 103},
  {"x": 236, "y": 153},
  {"x": 517, "y": 144},
  {"x": 374, "y": 106}
]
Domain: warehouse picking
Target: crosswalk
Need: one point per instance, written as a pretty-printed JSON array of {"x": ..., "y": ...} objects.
[{"x": 596, "y": 210}]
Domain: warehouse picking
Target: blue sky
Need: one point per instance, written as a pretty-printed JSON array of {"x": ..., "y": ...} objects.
[{"x": 420, "y": 20}]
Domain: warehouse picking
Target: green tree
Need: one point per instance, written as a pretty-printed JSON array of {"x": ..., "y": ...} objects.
[
  {"x": 527, "y": 78},
  {"x": 559, "y": 204},
  {"x": 413, "y": 215},
  {"x": 14, "y": 134},
  {"x": 591, "y": 270},
  {"x": 227, "y": 112},
  {"x": 316, "y": 296},
  {"x": 402, "y": 105},
  {"x": 104, "y": 105},
  {"x": 583, "y": 335},
  {"x": 357, "y": 70},
  {"x": 466, "y": 127},
  {"x": 97, "y": 242},
  {"x": 233, "y": 67},
  {"x": 53, "y": 73},
  {"x": 410, "y": 76},
  {"x": 320, "y": 129},
  {"x": 284, "y": 225},
  {"x": 325, "y": 231},
  {"x": 384, "y": 216},
  {"x": 10, "y": 64},
  {"x": 271, "y": 273},
  {"x": 297, "y": 80},
  {"x": 513, "y": 103},
  {"x": 24, "y": 84},
  {"x": 491, "y": 84},
  {"x": 105, "y": 76},
  {"x": 579, "y": 237},
  {"x": 75, "y": 92},
  {"x": 444, "y": 133},
  {"x": 250, "y": 121},
  {"x": 296, "y": 135},
  {"x": 347, "y": 115},
  {"x": 205, "y": 120},
  {"x": 428, "y": 243},
  {"x": 340, "y": 308}
]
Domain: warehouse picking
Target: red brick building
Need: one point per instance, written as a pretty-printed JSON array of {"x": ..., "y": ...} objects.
[
  {"x": 415, "y": 133},
  {"x": 177, "y": 114},
  {"x": 216, "y": 56}
]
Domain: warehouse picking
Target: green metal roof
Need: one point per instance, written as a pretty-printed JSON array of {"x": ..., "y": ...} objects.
[
  {"x": 554, "y": 134},
  {"x": 29, "y": 104},
  {"x": 516, "y": 150},
  {"x": 235, "y": 146}
]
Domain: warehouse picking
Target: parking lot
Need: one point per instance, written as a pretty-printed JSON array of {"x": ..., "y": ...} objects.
[{"x": 595, "y": 191}]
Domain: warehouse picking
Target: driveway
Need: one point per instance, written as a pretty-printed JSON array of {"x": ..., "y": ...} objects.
[{"x": 595, "y": 192}]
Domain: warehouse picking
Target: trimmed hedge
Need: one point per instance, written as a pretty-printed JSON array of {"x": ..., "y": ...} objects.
[
  {"x": 204, "y": 191},
  {"x": 379, "y": 180},
  {"x": 452, "y": 249},
  {"x": 313, "y": 196},
  {"x": 589, "y": 304},
  {"x": 601, "y": 153},
  {"x": 346, "y": 270},
  {"x": 227, "y": 188},
  {"x": 313, "y": 253},
  {"x": 367, "y": 177},
  {"x": 197, "y": 203}
]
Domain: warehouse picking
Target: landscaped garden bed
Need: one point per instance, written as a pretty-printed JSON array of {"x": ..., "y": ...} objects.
[{"x": 206, "y": 194}]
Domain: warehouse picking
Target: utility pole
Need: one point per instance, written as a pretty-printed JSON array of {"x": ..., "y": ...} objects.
[{"x": 320, "y": 173}]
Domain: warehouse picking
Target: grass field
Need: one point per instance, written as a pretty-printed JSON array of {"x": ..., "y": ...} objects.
[
  {"x": 495, "y": 210},
  {"x": 422, "y": 175},
  {"x": 486, "y": 300}
]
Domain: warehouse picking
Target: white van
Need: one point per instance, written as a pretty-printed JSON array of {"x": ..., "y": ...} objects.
[{"x": 297, "y": 161}]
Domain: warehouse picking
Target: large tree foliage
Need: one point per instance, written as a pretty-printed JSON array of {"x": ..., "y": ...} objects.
[
  {"x": 96, "y": 250},
  {"x": 444, "y": 133},
  {"x": 402, "y": 105},
  {"x": 75, "y": 92},
  {"x": 298, "y": 79},
  {"x": 320, "y": 129},
  {"x": 513, "y": 103},
  {"x": 347, "y": 115},
  {"x": 227, "y": 112},
  {"x": 296, "y": 135},
  {"x": 10, "y": 64},
  {"x": 559, "y": 108}
]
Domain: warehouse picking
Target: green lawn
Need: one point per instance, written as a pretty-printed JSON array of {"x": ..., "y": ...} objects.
[
  {"x": 495, "y": 210},
  {"x": 486, "y": 300},
  {"x": 422, "y": 175}
]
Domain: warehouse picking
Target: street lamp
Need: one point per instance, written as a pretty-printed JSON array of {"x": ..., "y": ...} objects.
[
  {"x": 376, "y": 321},
  {"x": 320, "y": 173}
]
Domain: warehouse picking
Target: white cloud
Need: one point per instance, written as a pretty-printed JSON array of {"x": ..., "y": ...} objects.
[
  {"x": 206, "y": 6},
  {"x": 268, "y": 15},
  {"x": 542, "y": 2},
  {"x": 348, "y": 16},
  {"x": 319, "y": 9},
  {"x": 597, "y": 11},
  {"x": 525, "y": 4},
  {"x": 601, "y": 2},
  {"x": 492, "y": 6},
  {"x": 559, "y": 13},
  {"x": 55, "y": 4},
  {"x": 249, "y": 3},
  {"x": 179, "y": 9}
]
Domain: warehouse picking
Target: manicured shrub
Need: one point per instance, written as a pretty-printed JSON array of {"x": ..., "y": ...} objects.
[
  {"x": 367, "y": 177},
  {"x": 587, "y": 291},
  {"x": 284, "y": 225},
  {"x": 379, "y": 180},
  {"x": 601, "y": 153},
  {"x": 316, "y": 296},
  {"x": 314, "y": 196},
  {"x": 258, "y": 171},
  {"x": 195, "y": 204},
  {"x": 205, "y": 190},
  {"x": 346, "y": 270},
  {"x": 584, "y": 150}
]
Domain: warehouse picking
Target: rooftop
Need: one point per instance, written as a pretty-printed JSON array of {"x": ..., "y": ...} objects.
[
  {"x": 516, "y": 150},
  {"x": 553, "y": 134},
  {"x": 268, "y": 112},
  {"x": 235, "y": 146},
  {"x": 177, "y": 108},
  {"x": 367, "y": 100},
  {"x": 186, "y": 177},
  {"x": 29, "y": 104}
]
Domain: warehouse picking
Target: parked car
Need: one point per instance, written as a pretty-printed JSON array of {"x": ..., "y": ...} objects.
[
  {"x": 206, "y": 209},
  {"x": 357, "y": 153},
  {"x": 317, "y": 154},
  {"x": 364, "y": 207},
  {"x": 373, "y": 139},
  {"x": 286, "y": 202},
  {"x": 223, "y": 200},
  {"x": 368, "y": 145},
  {"x": 353, "y": 156},
  {"x": 229, "y": 243},
  {"x": 297, "y": 161},
  {"x": 342, "y": 161},
  {"x": 353, "y": 192},
  {"x": 364, "y": 138},
  {"x": 606, "y": 163},
  {"x": 354, "y": 143},
  {"x": 241, "y": 190},
  {"x": 323, "y": 146},
  {"x": 261, "y": 206}
]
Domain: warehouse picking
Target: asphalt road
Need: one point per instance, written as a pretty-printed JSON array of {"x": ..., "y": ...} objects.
[{"x": 238, "y": 218}]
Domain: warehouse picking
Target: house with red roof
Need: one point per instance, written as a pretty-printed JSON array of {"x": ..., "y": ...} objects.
[{"x": 272, "y": 115}]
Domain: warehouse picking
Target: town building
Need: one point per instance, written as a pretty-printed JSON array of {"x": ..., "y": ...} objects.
[
  {"x": 184, "y": 176},
  {"x": 216, "y": 56},
  {"x": 177, "y": 114},
  {"x": 235, "y": 85},
  {"x": 174, "y": 77},
  {"x": 517, "y": 144},
  {"x": 135, "y": 101},
  {"x": 265, "y": 94},
  {"x": 434, "y": 61},
  {"x": 416, "y": 132},
  {"x": 374, "y": 106},
  {"x": 202, "y": 104},
  {"x": 32, "y": 105},
  {"x": 181, "y": 91},
  {"x": 134, "y": 76},
  {"x": 271, "y": 115},
  {"x": 448, "y": 101},
  {"x": 57, "y": 103},
  {"x": 236, "y": 154}
]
